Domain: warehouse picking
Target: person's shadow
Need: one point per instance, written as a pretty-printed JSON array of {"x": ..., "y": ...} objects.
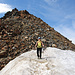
[{"x": 48, "y": 57}]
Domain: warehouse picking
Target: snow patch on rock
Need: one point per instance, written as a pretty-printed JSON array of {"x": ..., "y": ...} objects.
[{"x": 54, "y": 62}]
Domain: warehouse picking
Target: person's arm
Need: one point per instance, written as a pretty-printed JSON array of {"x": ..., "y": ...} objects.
[
  {"x": 36, "y": 44},
  {"x": 42, "y": 44}
]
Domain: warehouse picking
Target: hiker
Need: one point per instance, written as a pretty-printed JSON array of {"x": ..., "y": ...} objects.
[{"x": 39, "y": 45}]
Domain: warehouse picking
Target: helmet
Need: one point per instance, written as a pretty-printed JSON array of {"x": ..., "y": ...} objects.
[{"x": 39, "y": 37}]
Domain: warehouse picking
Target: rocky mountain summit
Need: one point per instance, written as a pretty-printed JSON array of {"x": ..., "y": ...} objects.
[{"x": 19, "y": 31}]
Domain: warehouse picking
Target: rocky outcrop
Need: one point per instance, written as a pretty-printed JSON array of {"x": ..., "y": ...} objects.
[{"x": 19, "y": 31}]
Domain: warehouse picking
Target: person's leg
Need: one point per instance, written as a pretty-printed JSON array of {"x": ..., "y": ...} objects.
[{"x": 40, "y": 53}]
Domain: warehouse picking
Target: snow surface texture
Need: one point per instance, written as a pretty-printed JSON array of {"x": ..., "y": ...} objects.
[{"x": 54, "y": 62}]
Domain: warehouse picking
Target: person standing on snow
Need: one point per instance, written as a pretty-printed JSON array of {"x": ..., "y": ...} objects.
[{"x": 39, "y": 45}]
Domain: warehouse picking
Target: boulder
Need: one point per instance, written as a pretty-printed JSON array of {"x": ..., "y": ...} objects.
[
  {"x": 54, "y": 45},
  {"x": 3, "y": 54}
]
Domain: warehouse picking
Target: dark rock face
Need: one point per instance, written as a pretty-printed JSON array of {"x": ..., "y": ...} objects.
[{"x": 19, "y": 31}]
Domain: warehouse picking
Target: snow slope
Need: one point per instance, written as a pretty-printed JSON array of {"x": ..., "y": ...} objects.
[{"x": 54, "y": 62}]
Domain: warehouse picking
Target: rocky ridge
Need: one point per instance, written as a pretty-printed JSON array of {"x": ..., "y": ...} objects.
[{"x": 19, "y": 31}]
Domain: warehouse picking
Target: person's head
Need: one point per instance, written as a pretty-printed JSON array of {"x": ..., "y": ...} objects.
[{"x": 39, "y": 38}]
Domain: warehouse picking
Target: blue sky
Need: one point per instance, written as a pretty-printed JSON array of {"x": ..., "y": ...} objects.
[{"x": 59, "y": 14}]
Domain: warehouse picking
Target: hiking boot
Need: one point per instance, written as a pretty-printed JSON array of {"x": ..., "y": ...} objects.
[{"x": 38, "y": 58}]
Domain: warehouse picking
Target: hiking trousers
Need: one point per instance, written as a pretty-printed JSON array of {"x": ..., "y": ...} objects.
[{"x": 39, "y": 52}]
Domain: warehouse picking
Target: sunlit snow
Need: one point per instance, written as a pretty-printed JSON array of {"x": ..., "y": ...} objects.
[{"x": 54, "y": 62}]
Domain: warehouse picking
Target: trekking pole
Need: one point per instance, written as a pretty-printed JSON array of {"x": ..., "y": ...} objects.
[{"x": 43, "y": 49}]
